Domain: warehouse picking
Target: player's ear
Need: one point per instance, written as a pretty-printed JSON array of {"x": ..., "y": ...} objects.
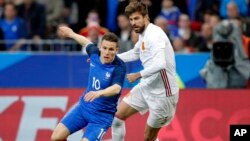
[
  {"x": 117, "y": 49},
  {"x": 146, "y": 17}
]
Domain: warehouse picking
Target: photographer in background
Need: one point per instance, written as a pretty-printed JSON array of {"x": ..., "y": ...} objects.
[{"x": 228, "y": 66}]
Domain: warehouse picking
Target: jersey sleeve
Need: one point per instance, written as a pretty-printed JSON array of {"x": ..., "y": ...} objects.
[
  {"x": 158, "y": 58},
  {"x": 92, "y": 49},
  {"x": 119, "y": 75},
  {"x": 131, "y": 55}
]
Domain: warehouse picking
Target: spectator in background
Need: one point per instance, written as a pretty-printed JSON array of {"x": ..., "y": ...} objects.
[
  {"x": 54, "y": 9},
  {"x": 153, "y": 8},
  {"x": 207, "y": 38},
  {"x": 197, "y": 7},
  {"x": 93, "y": 17},
  {"x": 124, "y": 27},
  {"x": 94, "y": 35},
  {"x": 2, "y": 2},
  {"x": 206, "y": 6},
  {"x": 190, "y": 38},
  {"x": 124, "y": 34},
  {"x": 85, "y": 6},
  {"x": 206, "y": 15},
  {"x": 171, "y": 13},
  {"x": 214, "y": 20},
  {"x": 232, "y": 10},
  {"x": 211, "y": 18},
  {"x": 178, "y": 45},
  {"x": 241, "y": 4},
  {"x": 13, "y": 27},
  {"x": 34, "y": 16},
  {"x": 163, "y": 24},
  {"x": 70, "y": 13}
]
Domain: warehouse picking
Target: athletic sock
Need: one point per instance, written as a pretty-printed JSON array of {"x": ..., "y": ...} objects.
[{"x": 118, "y": 130}]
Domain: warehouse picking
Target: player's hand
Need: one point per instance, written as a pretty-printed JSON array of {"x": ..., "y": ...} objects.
[
  {"x": 132, "y": 77},
  {"x": 65, "y": 31},
  {"x": 92, "y": 95}
]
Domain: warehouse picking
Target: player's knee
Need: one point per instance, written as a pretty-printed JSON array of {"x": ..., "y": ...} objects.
[
  {"x": 117, "y": 122},
  {"x": 56, "y": 137},
  {"x": 120, "y": 117}
]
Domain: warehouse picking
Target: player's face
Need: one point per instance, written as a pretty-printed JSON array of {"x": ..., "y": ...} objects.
[
  {"x": 138, "y": 22},
  {"x": 108, "y": 51}
]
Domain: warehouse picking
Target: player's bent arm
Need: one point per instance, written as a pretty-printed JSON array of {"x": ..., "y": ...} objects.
[
  {"x": 110, "y": 91},
  {"x": 68, "y": 32},
  {"x": 131, "y": 55},
  {"x": 128, "y": 56}
]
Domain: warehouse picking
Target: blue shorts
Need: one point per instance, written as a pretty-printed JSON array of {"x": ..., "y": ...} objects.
[{"x": 95, "y": 124}]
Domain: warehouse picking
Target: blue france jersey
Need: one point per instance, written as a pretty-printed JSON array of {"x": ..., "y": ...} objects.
[{"x": 102, "y": 76}]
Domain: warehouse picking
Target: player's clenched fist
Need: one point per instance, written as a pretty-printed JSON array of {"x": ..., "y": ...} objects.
[
  {"x": 132, "y": 77},
  {"x": 65, "y": 31}
]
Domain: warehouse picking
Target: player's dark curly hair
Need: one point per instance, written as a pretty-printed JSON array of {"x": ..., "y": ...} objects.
[{"x": 136, "y": 6}]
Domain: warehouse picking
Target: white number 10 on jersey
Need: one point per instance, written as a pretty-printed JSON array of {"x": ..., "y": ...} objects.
[{"x": 96, "y": 83}]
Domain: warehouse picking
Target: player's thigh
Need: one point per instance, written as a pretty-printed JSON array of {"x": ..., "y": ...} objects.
[
  {"x": 132, "y": 103},
  {"x": 124, "y": 110},
  {"x": 161, "y": 110},
  {"x": 95, "y": 132},
  {"x": 61, "y": 132},
  {"x": 74, "y": 120}
]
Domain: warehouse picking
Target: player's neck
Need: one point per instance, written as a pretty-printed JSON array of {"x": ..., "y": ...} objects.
[{"x": 146, "y": 25}]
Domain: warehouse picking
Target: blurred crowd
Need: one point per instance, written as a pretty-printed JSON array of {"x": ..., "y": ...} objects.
[{"x": 189, "y": 24}]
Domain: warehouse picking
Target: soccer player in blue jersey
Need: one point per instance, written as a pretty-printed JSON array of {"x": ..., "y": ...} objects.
[{"x": 97, "y": 106}]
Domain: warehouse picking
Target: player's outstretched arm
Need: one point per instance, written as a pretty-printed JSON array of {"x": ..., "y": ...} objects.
[{"x": 65, "y": 31}]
